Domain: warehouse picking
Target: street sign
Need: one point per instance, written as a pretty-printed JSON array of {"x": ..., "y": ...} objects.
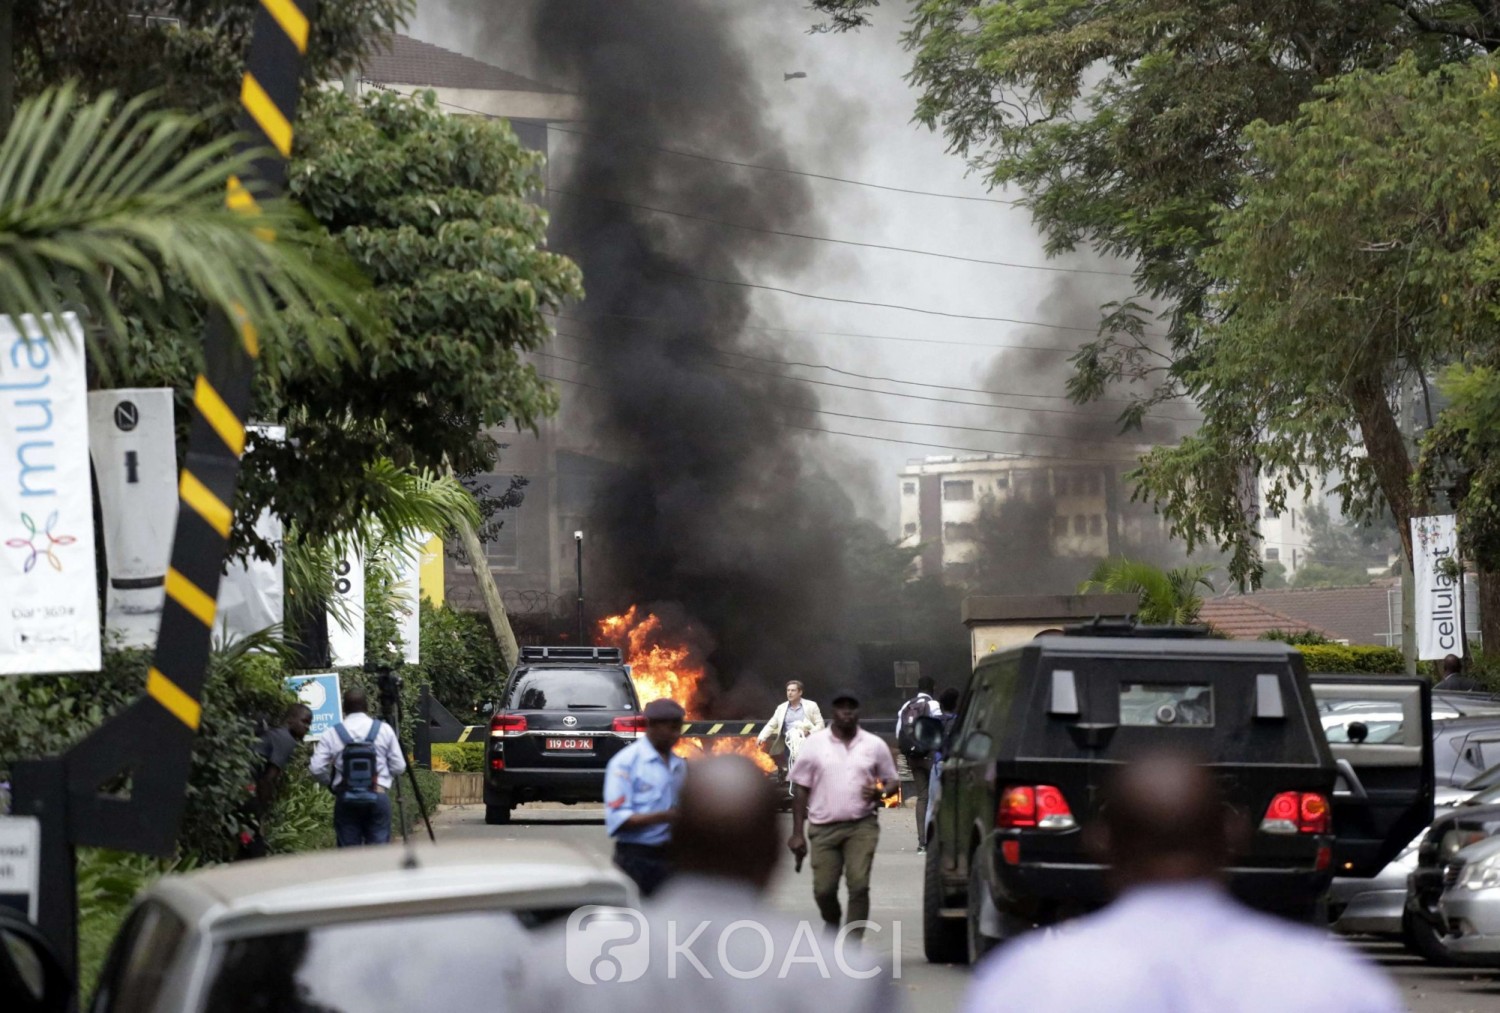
[
  {"x": 907, "y": 674},
  {"x": 320, "y": 691},
  {"x": 20, "y": 863}
]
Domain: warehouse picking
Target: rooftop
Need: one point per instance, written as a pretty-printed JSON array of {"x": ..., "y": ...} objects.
[
  {"x": 1357, "y": 614},
  {"x": 1243, "y": 619},
  {"x": 410, "y": 61}
]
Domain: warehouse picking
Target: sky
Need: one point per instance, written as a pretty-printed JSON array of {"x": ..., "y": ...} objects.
[{"x": 851, "y": 117}]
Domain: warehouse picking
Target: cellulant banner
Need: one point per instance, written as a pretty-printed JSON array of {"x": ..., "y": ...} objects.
[
  {"x": 133, "y": 445},
  {"x": 346, "y": 624},
  {"x": 1438, "y": 601},
  {"x": 49, "y": 606},
  {"x": 252, "y": 594},
  {"x": 407, "y": 595}
]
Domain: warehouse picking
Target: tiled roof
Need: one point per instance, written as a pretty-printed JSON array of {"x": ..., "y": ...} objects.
[
  {"x": 1356, "y": 614},
  {"x": 410, "y": 61},
  {"x": 1242, "y": 619}
]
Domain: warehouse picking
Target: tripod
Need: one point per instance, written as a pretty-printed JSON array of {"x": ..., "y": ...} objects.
[{"x": 393, "y": 714}]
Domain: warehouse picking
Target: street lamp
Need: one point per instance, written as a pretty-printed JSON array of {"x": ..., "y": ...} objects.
[{"x": 578, "y": 543}]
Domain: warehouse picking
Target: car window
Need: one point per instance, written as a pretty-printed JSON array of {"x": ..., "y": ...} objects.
[
  {"x": 1484, "y": 779},
  {"x": 460, "y": 959},
  {"x": 565, "y": 688},
  {"x": 138, "y": 962}
]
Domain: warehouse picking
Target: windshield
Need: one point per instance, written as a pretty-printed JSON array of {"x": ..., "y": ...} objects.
[
  {"x": 570, "y": 689},
  {"x": 392, "y": 963}
]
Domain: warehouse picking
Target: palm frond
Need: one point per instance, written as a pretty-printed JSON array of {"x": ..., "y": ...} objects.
[
  {"x": 98, "y": 197},
  {"x": 404, "y": 503}
]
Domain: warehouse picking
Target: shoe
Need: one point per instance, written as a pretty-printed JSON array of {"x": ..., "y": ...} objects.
[{"x": 921, "y": 849}]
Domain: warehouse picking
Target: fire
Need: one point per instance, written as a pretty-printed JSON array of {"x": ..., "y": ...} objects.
[
  {"x": 692, "y": 747},
  {"x": 661, "y": 670}
]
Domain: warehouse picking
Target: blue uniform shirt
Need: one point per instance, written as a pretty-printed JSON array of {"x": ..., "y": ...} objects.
[{"x": 638, "y": 780}]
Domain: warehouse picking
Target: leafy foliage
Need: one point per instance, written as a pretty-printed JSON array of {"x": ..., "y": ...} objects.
[
  {"x": 1168, "y": 597},
  {"x": 460, "y": 659},
  {"x": 1339, "y": 658},
  {"x": 1302, "y": 639},
  {"x": 458, "y": 757}
]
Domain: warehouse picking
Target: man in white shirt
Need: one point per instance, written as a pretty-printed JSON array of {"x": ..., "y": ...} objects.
[
  {"x": 355, "y": 821},
  {"x": 1175, "y": 941},
  {"x": 795, "y": 719}
]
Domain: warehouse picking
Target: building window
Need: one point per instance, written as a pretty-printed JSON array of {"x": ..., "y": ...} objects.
[
  {"x": 1059, "y": 527},
  {"x": 1096, "y": 524},
  {"x": 1002, "y": 480},
  {"x": 1093, "y": 483},
  {"x": 503, "y": 550},
  {"x": 1293, "y": 515},
  {"x": 954, "y": 531},
  {"x": 1080, "y": 525},
  {"x": 958, "y": 490},
  {"x": 908, "y": 488},
  {"x": 910, "y": 529},
  {"x": 1273, "y": 555}
]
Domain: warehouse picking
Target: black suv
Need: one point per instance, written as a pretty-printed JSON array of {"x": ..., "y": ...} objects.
[
  {"x": 1040, "y": 725},
  {"x": 565, "y": 711}
]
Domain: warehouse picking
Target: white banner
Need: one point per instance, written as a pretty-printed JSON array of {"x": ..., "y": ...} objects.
[
  {"x": 1439, "y": 610},
  {"x": 252, "y": 594},
  {"x": 406, "y": 596},
  {"x": 133, "y": 444},
  {"x": 346, "y": 640},
  {"x": 49, "y": 598}
]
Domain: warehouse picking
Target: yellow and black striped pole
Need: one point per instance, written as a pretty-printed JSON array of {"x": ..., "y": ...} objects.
[{"x": 153, "y": 739}]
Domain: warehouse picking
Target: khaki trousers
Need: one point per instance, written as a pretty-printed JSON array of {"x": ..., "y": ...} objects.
[{"x": 844, "y": 850}]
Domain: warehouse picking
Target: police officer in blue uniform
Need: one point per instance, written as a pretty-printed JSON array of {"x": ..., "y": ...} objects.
[{"x": 641, "y": 785}]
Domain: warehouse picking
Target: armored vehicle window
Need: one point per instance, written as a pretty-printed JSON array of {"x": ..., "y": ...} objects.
[{"x": 1147, "y": 703}]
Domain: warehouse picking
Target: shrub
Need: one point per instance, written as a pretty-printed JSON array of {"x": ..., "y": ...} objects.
[
  {"x": 458, "y": 757},
  {"x": 1329, "y": 658},
  {"x": 460, "y": 658},
  {"x": 1304, "y": 638}
]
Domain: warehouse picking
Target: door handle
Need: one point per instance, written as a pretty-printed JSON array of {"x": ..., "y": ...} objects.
[{"x": 1356, "y": 788}]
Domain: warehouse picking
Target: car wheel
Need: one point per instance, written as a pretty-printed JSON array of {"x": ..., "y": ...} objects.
[
  {"x": 497, "y": 815},
  {"x": 979, "y": 894},
  {"x": 1421, "y": 937},
  {"x": 942, "y": 938}
]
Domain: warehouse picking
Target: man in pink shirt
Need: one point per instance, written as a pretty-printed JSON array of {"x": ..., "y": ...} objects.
[{"x": 840, "y": 777}]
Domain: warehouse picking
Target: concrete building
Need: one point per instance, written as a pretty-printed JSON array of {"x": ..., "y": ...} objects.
[{"x": 1284, "y": 535}]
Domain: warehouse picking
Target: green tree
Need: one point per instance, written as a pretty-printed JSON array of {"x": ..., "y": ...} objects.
[{"x": 1168, "y": 597}]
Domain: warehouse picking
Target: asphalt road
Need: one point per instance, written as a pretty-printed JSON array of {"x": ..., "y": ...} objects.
[{"x": 896, "y": 904}]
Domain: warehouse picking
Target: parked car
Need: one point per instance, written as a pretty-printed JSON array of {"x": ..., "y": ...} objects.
[
  {"x": 1039, "y": 725},
  {"x": 1464, "y": 747},
  {"x": 1470, "y": 903},
  {"x": 1423, "y": 925},
  {"x": 1374, "y": 906},
  {"x": 565, "y": 711}
]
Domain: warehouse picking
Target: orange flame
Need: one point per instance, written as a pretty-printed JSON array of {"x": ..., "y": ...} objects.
[
  {"x": 661, "y": 670},
  {"x": 691, "y": 747}
]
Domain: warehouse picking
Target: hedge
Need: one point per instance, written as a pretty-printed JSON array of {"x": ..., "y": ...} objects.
[
  {"x": 458, "y": 757},
  {"x": 1340, "y": 658}
]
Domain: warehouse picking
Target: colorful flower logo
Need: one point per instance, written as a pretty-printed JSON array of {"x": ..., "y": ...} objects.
[{"x": 47, "y": 550}]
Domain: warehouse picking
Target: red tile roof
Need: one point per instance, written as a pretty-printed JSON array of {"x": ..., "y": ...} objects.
[
  {"x": 409, "y": 61},
  {"x": 1356, "y": 614},
  {"x": 1242, "y": 619}
]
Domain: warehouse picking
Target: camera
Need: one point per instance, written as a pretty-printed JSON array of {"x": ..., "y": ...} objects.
[{"x": 389, "y": 684}]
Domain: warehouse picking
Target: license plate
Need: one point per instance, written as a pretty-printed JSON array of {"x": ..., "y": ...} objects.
[{"x": 570, "y": 744}]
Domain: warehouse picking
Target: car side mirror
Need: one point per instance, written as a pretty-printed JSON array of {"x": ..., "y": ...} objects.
[
  {"x": 31, "y": 974},
  {"x": 928, "y": 731}
]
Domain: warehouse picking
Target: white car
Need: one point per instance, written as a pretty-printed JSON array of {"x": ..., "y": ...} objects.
[{"x": 377, "y": 928}]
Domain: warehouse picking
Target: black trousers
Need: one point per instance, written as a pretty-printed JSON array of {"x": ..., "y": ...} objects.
[{"x": 645, "y": 863}]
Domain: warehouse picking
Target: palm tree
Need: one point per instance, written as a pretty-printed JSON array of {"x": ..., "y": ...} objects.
[
  {"x": 102, "y": 202},
  {"x": 1167, "y": 597}
]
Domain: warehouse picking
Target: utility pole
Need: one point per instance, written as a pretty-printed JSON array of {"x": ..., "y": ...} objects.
[
  {"x": 1408, "y": 583},
  {"x": 578, "y": 542}
]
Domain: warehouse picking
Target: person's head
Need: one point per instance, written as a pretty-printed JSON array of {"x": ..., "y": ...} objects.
[
  {"x": 793, "y": 691},
  {"x": 949, "y": 700},
  {"x": 845, "y": 712},
  {"x": 926, "y": 684},
  {"x": 663, "y": 724},
  {"x": 298, "y": 720},
  {"x": 1452, "y": 665},
  {"x": 356, "y": 701},
  {"x": 1163, "y": 821},
  {"x": 727, "y": 822}
]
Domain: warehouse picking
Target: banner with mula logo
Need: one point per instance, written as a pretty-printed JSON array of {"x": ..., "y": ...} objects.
[
  {"x": 49, "y": 598},
  {"x": 1438, "y": 598}
]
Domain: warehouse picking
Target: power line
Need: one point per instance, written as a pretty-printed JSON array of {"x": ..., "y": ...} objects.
[
  {"x": 791, "y": 172},
  {"x": 886, "y": 439},
  {"x": 840, "y": 242}
]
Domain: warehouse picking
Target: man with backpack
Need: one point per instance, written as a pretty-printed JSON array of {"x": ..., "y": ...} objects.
[
  {"x": 358, "y": 758},
  {"x": 919, "y": 760}
]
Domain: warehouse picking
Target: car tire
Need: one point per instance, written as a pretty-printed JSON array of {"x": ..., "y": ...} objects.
[
  {"x": 943, "y": 939},
  {"x": 977, "y": 944},
  {"x": 1421, "y": 937},
  {"x": 497, "y": 815}
]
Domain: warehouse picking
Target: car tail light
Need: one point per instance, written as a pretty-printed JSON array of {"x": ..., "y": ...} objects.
[
  {"x": 1040, "y": 806},
  {"x": 1297, "y": 812},
  {"x": 1011, "y": 852},
  {"x": 631, "y": 725},
  {"x": 507, "y": 724},
  {"x": 497, "y": 763}
]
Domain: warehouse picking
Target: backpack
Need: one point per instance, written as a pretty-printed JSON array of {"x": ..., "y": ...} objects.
[
  {"x": 906, "y": 725},
  {"x": 359, "y": 775}
]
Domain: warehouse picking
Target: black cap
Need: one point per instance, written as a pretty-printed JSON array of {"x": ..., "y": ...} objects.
[
  {"x": 845, "y": 694},
  {"x": 664, "y": 710}
]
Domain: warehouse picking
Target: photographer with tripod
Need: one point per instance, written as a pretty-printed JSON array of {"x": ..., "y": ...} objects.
[{"x": 359, "y": 759}]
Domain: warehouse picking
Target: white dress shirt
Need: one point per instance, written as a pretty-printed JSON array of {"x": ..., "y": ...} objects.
[
  {"x": 1180, "y": 948},
  {"x": 389, "y": 762}
]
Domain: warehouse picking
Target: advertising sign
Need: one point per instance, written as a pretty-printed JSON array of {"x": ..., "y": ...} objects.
[
  {"x": 252, "y": 593},
  {"x": 1438, "y": 600},
  {"x": 320, "y": 691},
  {"x": 346, "y": 625}
]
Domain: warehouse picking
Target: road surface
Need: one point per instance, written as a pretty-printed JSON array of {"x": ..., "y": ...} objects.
[{"x": 896, "y": 904}]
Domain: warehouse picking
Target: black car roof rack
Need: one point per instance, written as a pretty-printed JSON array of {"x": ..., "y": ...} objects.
[
  {"x": 1127, "y": 626},
  {"x": 601, "y": 654}
]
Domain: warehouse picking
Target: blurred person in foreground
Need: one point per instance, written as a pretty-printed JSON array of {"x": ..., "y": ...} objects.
[
  {"x": 641, "y": 784},
  {"x": 708, "y": 940},
  {"x": 1174, "y": 940}
]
